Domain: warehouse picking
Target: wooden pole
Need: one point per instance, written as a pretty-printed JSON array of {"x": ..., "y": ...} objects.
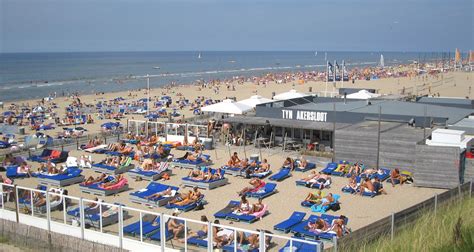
[{"x": 378, "y": 137}]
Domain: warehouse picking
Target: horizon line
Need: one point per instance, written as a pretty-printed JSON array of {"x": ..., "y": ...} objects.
[{"x": 197, "y": 51}]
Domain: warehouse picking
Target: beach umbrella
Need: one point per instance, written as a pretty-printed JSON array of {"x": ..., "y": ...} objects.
[
  {"x": 227, "y": 107},
  {"x": 288, "y": 95},
  {"x": 254, "y": 100}
]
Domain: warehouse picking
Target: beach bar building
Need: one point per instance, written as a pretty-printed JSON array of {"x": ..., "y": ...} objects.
[{"x": 378, "y": 132}]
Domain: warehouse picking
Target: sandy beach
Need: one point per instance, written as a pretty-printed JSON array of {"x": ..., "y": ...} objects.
[{"x": 361, "y": 211}]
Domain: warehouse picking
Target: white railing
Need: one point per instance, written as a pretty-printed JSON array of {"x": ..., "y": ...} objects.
[{"x": 41, "y": 216}]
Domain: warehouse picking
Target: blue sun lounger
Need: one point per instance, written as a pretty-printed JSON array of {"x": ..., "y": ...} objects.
[
  {"x": 226, "y": 210},
  {"x": 261, "y": 175},
  {"x": 226, "y": 213},
  {"x": 330, "y": 167},
  {"x": 308, "y": 167},
  {"x": 267, "y": 190},
  {"x": 286, "y": 225},
  {"x": 198, "y": 241},
  {"x": 13, "y": 174},
  {"x": 281, "y": 175},
  {"x": 156, "y": 236},
  {"x": 72, "y": 176},
  {"x": 300, "y": 228},
  {"x": 147, "y": 175},
  {"x": 148, "y": 227},
  {"x": 234, "y": 171},
  {"x": 322, "y": 209},
  {"x": 107, "y": 169},
  {"x": 152, "y": 188},
  {"x": 184, "y": 163},
  {"x": 299, "y": 246}
]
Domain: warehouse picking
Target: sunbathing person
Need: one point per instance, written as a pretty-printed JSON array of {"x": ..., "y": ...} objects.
[
  {"x": 314, "y": 198},
  {"x": 318, "y": 226},
  {"x": 243, "y": 164},
  {"x": 234, "y": 160},
  {"x": 289, "y": 163},
  {"x": 91, "y": 180},
  {"x": 379, "y": 186},
  {"x": 197, "y": 174},
  {"x": 222, "y": 237},
  {"x": 255, "y": 183},
  {"x": 116, "y": 179},
  {"x": 356, "y": 169},
  {"x": 257, "y": 207},
  {"x": 126, "y": 150},
  {"x": 218, "y": 174},
  {"x": 85, "y": 161},
  {"x": 367, "y": 186},
  {"x": 329, "y": 199},
  {"x": 202, "y": 232},
  {"x": 175, "y": 227},
  {"x": 147, "y": 164},
  {"x": 168, "y": 192},
  {"x": 264, "y": 166},
  {"x": 339, "y": 227},
  {"x": 311, "y": 176},
  {"x": 244, "y": 206},
  {"x": 352, "y": 183},
  {"x": 301, "y": 163},
  {"x": 192, "y": 197},
  {"x": 23, "y": 169},
  {"x": 396, "y": 176}
]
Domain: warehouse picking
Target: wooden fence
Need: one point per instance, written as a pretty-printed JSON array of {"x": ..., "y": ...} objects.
[{"x": 395, "y": 222}]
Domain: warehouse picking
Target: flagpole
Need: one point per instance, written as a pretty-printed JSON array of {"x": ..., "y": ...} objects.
[
  {"x": 342, "y": 75},
  {"x": 334, "y": 78},
  {"x": 327, "y": 78}
]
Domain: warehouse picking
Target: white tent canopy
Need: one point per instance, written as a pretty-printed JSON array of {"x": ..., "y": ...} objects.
[
  {"x": 228, "y": 107},
  {"x": 254, "y": 100},
  {"x": 362, "y": 95},
  {"x": 288, "y": 95}
]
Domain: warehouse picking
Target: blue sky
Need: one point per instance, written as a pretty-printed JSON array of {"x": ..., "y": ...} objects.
[{"x": 200, "y": 25}]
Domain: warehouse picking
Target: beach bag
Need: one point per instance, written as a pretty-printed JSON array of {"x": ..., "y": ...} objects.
[
  {"x": 199, "y": 206},
  {"x": 335, "y": 206}
]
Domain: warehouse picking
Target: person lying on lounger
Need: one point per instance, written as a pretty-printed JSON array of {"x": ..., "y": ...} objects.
[
  {"x": 197, "y": 174},
  {"x": 352, "y": 183},
  {"x": 91, "y": 180},
  {"x": 264, "y": 166},
  {"x": 312, "y": 175},
  {"x": 355, "y": 169},
  {"x": 314, "y": 198},
  {"x": 168, "y": 192},
  {"x": 367, "y": 186},
  {"x": 192, "y": 197},
  {"x": 320, "y": 179},
  {"x": 234, "y": 160},
  {"x": 289, "y": 163},
  {"x": 115, "y": 180},
  {"x": 318, "y": 226},
  {"x": 301, "y": 163},
  {"x": 85, "y": 161},
  {"x": 126, "y": 150},
  {"x": 243, "y": 164},
  {"x": 218, "y": 174},
  {"x": 5, "y": 180},
  {"x": 257, "y": 207},
  {"x": 255, "y": 183},
  {"x": 339, "y": 227},
  {"x": 24, "y": 169},
  {"x": 329, "y": 199}
]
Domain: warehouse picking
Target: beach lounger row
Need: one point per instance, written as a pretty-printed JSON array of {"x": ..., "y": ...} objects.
[
  {"x": 298, "y": 226},
  {"x": 110, "y": 215},
  {"x": 228, "y": 213},
  {"x": 99, "y": 190},
  {"x": 152, "y": 188},
  {"x": 206, "y": 184},
  {"x": 55, "y": 156},
  {"x": 188, "y": 164},
  {"x": 147, "y": 175},
  {"x": 108, "y": 169}
]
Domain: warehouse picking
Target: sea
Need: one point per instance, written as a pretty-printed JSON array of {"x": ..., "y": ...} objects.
[{"x": 37, "y": 75}]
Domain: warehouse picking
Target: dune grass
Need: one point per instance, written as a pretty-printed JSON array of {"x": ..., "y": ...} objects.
[{"x": 451, "y": 229}]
